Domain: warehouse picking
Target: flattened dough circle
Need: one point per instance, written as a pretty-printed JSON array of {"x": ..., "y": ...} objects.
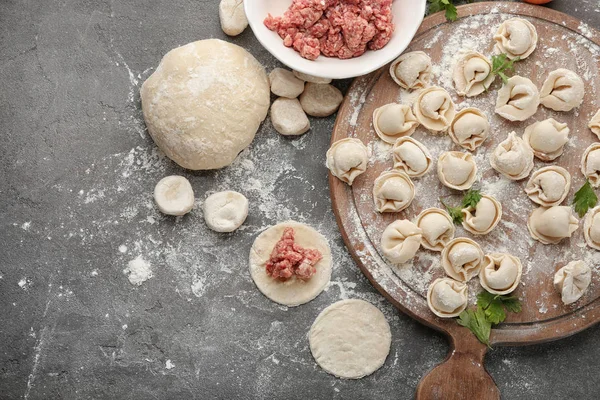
[
  {"x": 293, "y": 292},
  {"x": 350, "y": 339}
]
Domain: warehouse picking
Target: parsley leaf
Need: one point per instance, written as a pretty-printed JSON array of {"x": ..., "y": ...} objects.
[
  {"x": 512, "y": 304},
  {"x": 472, "y": 197},
  {"x": 477, "y": 323},
  {"x": 439, "y": 5},
  {"x": 492, "y": 306},
  {"x": 454, "y": 212},
  {"x": 502, "y": 64},
  {"x": 585, "y": 198}
]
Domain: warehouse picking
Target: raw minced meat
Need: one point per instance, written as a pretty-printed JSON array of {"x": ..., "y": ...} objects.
[
  {"x": 334, "y": 28},
  {"x": 288, "y": 258}
]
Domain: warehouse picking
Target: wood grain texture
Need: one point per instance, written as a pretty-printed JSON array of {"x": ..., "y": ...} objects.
[{"x": 462, "y": 375}]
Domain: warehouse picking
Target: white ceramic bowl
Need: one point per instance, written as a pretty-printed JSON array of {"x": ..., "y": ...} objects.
[{"x": 408, "y": 15}]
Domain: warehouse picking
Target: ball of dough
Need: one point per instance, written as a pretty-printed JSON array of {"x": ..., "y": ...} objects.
[
  {"x": 174, "y": 195},
  {"x": 233, "y": 17},
  {"x": 225, "y": 211},
  {"x": 285, "y": 84},
  {"x": 320, "y": 100},
  {"x": 205, "y": 102},
  {"x": 310, "y": 78},
  {"x": 350, "y": 339},
  {"x": 292, "y": 292},
  {"x": 288, "y": 118}
]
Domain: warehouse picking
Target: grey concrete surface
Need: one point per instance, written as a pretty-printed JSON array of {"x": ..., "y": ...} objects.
[{"x": 76, "y": 175}]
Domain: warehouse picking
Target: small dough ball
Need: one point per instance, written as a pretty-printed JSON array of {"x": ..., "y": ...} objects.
[
  {"x": 288, "y": 118},
  {"x": 174, "y": 195},
  {"x": 285, "y": 84},
  {"x": 225, "y": 211},
  {"x": 310, "y": 78},
  {"x": 205, "y": 102},
  {"x": 350, "y": 339},
  {"x": 321, "y": 100},
  {"x": 233, "y": 17}
]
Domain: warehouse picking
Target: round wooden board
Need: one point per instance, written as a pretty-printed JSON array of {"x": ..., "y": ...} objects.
[{"x": 564, "y": 42}]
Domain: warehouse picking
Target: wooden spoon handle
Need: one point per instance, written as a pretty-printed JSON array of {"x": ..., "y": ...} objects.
[{"x": 462, "y": 375}]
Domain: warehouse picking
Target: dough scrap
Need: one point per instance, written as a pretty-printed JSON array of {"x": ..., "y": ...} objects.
[
  {"x": 288, "y": 117},
  {"x": 205, "y": 102},
  {"x": 294, "y": 291},
  {"x": 233, "y": 17},
  {"x": 412, "y": 70},
  {"x": 285, "y": 84},
  {"x": 572, "y": 281},
  {"x": 174, "y": 195},
  {"x": 350, "y": 339},
  {"x": 347, "y": 159},
  {"x": 320, "y": 100},
  {"x": 225, "y": 211}
]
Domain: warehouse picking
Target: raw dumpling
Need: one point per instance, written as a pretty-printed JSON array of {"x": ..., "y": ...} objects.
[
  {"x": 512, "y": 158},
  {"x": 447, "y": 298},
  {"x": 393, "y": 191},
  {"x": 412, "y": 70},
  {"x": 518, "y": 99},
  {"x": 546, "y": 138},
  {"x": 572, "y": 281},
  {"x": 472, "y": 74},
  {"x": 549, "y": 186},
  {"x": 590, "y": 164},
  {"x": 562, "y": 91},
  {"x": 470, "y": 128},
  {"x": 394, "y": 121},
  {"x": 594, "y": 124},
  {"x": 501, "y": 273},
  {"x": 400, "y": 241},
  {"x": 411, "y": 157},
  {"x": 434, "y": 109},
  {"x": 438, "y": 228},
  {"x": 485, "y": 216},
  {"x": 457, "y": 170},
  {"x": 462, "y": 258},
  {"x": 550, "y": 225},
  {"x": 591, "y": 228},
  {"x": 347, "y": 159},
  {"x": 516, "y": 37}
]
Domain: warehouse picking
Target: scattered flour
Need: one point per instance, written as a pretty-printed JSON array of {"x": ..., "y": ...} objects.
[{"x": 138, "y": 271}]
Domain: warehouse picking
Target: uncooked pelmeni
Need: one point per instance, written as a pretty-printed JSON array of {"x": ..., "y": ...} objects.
[
  {"x": 518, "y": 99},
  {"x": 563, "y": 90},
  {"x": 288, "y": 117},
  {"x": 447, "y": 298},
  {"x": 310, "y": 78},
  {"x": 591, "y": 228},
  {"x": 594, "y": 124},
  {"x": 500, "y": 273},
  {"x": 347, "y": 159},
  {"x": 285, "y": 84},
  {"x": 472, "y": 74},
  {"x": 437, "y": 228},
  {"x": 412, "y": 70},
  {"x": 350, "y": 339},
  {"x": 550, "y": 225},
  {"x": 572, "y": 281},
  {"x": 590, "y": 164},
  {"x": 457, "y": 170},
  {"x": 225, "y": 211},
  {"x": 400, "y": 241},
  {"x": 174, "y": 195},
  {"x": 549, "y": 186},
  {"x": 393, "y": 191},
  {"x": 393, "y": 121},
  {"x": 205, "y": 102},
  {"x": 293, "y": 291},
  {"x": 434, "y": 109},
  {"x": 516, "y": 37},
  {"x": 546, "y": 138},
  {"x": 470, "y": 128},
  {"x": 462, "y": 258},
  {"x": 411, "y": 157},
  {"x": 233, "y": 17},
  {"x": 320, "y": 99},
  {"x": 484, "y": 217},
  {"x": 512, "y": 158}
]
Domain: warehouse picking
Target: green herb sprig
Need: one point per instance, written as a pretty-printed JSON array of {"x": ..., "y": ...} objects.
[
  {"x": 470, "y": 199},
  {"x": 585, "y": 198},
  {"x": 501, "y": 64},
  {"x": 439, "y": 5}
]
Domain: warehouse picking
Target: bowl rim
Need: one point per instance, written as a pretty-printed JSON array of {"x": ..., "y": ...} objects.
[{"x": 359, "y": 71}]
